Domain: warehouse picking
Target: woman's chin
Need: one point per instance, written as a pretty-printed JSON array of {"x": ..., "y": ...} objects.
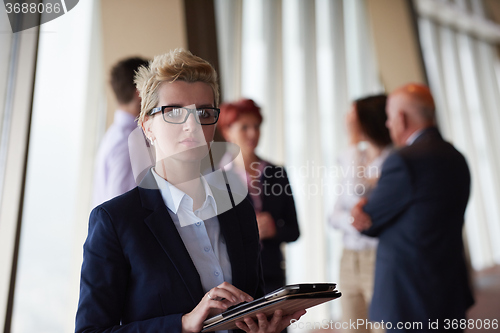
[{"x": 193, "y": 154}]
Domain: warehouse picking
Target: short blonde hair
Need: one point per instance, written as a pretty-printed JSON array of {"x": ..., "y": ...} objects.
[{"x": 176, "y": 65}]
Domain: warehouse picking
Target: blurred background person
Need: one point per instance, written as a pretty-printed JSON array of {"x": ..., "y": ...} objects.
[
  {"x": 417, "y": 211},
  {"x": 113, "y": 171},
  {"x": 268, "y": 188},
  {"x": 369, "y": 145},
  {"x": 163, "y": 257}
]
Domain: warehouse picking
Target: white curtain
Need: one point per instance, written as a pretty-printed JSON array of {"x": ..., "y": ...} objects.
[
  {"x": 463, "y": 70},
  {"x": 294, "y": 59}
]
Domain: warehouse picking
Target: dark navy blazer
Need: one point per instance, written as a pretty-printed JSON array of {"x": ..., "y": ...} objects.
[
  {"x": 417, "y": 210},
  {"x": 137, "y": 275}
]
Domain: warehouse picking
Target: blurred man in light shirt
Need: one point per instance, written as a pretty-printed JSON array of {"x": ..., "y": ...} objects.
[{"x": 113, "y": 171}]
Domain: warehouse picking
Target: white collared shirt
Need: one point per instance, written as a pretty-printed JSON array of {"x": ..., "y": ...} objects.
[
  {"x": 414, "y": 137},
  {"x": 199, "y": 231}
]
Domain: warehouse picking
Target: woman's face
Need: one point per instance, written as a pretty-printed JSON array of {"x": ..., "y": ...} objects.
[
  {"x": 245, "y": 132},
  {"x": 186, "y": 141}
]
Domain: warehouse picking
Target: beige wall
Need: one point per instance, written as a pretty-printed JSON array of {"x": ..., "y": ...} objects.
[
  {"x": 139, "y": 28},
  {"x": 396, "y": 43},
  {"x": 492, "y": 8}
]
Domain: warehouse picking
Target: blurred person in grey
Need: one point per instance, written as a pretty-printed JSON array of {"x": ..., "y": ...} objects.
[
  {"x": 417, "y": 211},
  {"x": 113, "y": 171},
  {"x": 369, "y": 145}
]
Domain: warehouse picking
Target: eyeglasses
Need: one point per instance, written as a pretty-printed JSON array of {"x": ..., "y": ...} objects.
[{"x": 179, "y": 115}]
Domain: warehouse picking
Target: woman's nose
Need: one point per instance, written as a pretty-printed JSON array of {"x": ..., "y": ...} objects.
[
  {"x": 252, "y": 132},
  {"x": 192, "y": 124}
]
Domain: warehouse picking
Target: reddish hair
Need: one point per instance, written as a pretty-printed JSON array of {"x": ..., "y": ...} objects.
[{"x": 230, "y": 112}]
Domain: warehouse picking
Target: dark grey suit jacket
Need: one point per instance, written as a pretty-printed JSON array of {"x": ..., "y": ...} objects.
[{"x": 417, "y": 210}]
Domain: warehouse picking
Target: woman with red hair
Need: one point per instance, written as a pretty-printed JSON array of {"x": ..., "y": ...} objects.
[{"x": 268, "y": 187}]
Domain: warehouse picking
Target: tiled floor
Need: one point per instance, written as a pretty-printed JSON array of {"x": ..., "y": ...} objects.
[{"x": 487, "y": 295}]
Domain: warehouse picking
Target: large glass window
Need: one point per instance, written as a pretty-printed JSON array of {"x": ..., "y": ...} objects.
[
  {"x": 459, "y": 43},
  {"x": 68, "y": 87}
]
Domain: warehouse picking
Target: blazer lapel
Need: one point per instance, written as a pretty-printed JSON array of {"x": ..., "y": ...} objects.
[{"x": 161, "y": 225}]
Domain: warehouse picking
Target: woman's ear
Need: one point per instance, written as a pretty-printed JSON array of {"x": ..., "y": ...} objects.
[{"x": 146, "y": 128}]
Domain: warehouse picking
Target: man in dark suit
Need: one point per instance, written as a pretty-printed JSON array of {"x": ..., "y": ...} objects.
[{"x": 417, "y": 211}]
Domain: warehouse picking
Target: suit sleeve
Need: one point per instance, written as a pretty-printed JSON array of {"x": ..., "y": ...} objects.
[
  {"x": 103, "y": 286},
  {"x": 391, "y": 196}
]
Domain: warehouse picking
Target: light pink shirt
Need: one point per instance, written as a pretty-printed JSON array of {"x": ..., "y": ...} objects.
[{"x": 113, "y": 172}]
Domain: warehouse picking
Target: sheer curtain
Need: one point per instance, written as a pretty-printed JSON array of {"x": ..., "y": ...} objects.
[
  {"x": 460, "y": 51},
  {"x": 294, "y": 59}
]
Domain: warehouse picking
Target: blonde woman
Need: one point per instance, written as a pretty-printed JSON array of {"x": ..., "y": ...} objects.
[{"x": 160, "y": 258}]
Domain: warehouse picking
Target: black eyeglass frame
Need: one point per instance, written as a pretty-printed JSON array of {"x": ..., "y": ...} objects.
[{"x": 189, "y": 111}]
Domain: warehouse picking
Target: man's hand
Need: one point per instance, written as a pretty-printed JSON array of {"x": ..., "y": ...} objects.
[{"x": 360, "y": 220}]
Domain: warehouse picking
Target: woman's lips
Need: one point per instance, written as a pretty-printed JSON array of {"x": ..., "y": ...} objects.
[{"x": 190, "y": 142}]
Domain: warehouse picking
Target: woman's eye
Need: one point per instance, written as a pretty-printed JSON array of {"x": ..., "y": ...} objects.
[
  {"x": 203, "y": 113},
  {"x": 175, "y": 113}
]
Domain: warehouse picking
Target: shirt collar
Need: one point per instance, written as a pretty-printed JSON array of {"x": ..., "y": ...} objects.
[
  {"x": 414, "y": 137},
  {"x": 173, "y": 197},
  {"x": 124, "y": 118}
]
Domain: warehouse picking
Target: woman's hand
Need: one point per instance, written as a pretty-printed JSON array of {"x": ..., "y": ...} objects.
[
  {"x": 216, "y": 300},
  {"x": 275, "y": 325},
  {"x": 267, "y": 227}
]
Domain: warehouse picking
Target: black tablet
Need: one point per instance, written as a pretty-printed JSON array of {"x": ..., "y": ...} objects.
[{"x": 289, "y": 299}]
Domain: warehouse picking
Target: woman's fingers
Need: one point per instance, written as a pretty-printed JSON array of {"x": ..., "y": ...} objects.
[
  {"x": 242, "y": 326},
  {"x": 216, "y": 294},
  {"x": 262, "y": 325},
  {"x": 217, "y": 305},
  {"x": 251, "y": 324},
  {"x": 241, "y": 296},
  {"x": 276, "y": 320},
  {"x": 262, "y": 320},
  {"x": 286, "y": 320},
  {"x": 220, "y": 298}
]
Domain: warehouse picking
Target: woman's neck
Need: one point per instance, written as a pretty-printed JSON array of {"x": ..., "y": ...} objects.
[{"x": 185, "y": 176}]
